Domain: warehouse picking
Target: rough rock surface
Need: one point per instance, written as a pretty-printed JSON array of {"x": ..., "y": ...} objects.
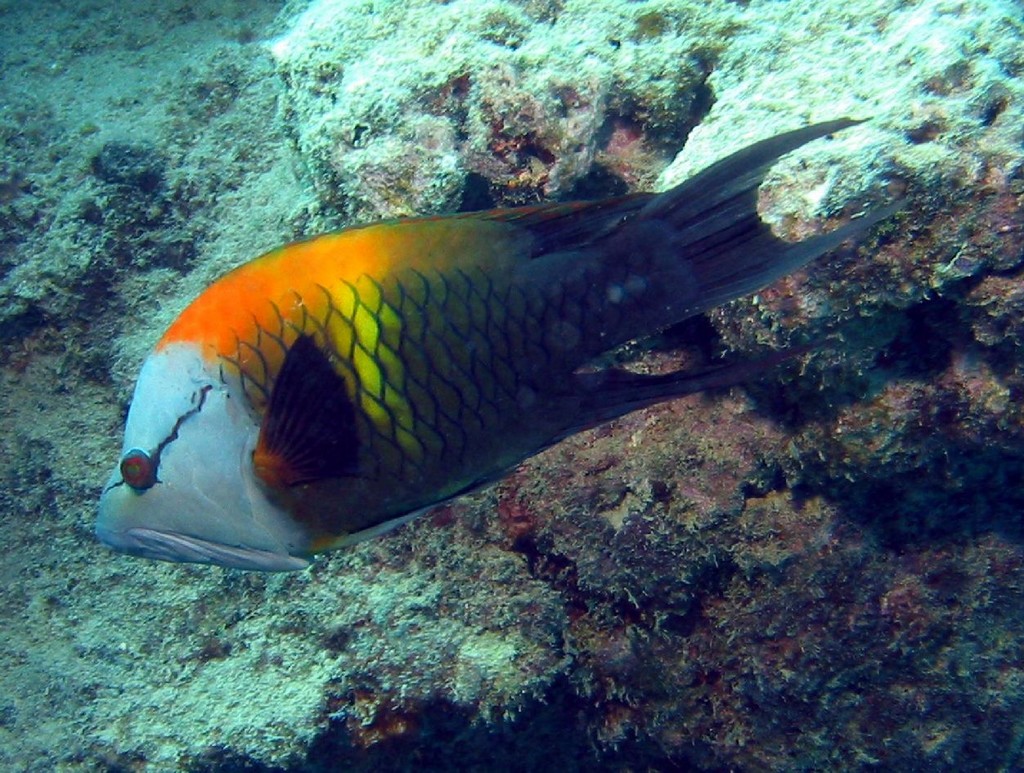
[{"x": 823, "y": 570}]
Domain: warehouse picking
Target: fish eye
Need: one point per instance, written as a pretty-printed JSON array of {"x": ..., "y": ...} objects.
[{"x": 138, "y": 469}]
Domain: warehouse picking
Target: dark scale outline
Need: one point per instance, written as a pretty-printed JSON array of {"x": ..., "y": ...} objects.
[
  {"x": 390, "y": 437},
  {"x": 366, "y": 429},
  {"x": 465, "y": 298},
  {"x": 431, "y": 340},
  {"x": 245, "y": 379},
  {"x": 521, "y": 319},
  {"x": 485, "y": 364},
  {"x": 440, "y": 338},
  {"x": 370, "y": 430},
  {"x": 266, "y": 383},
  {"x": 476, "y": 335},
  {"x": 455, "y": 429},
  {"x": 329, "y": 344},
  {"x": 382, "y": 345},
  {"x": 507, "y": 359},
  {"x": 422, "y": 424},
  {"x": 499, "y": 348},
  {"x": 426, "y": 288},
  {"x": 434, "y": 341},
  {"x": 408, "y": 343},
  {"x": 497, "y": 329},
  {"x": 374, "y": 356},
  {"x": 282, "y": 325},
  {"x": 399, "y": 387},
  {"x": 465, "y": 377},
  {"x": 553, "y": 314},
  {"x": 496, "y": 326},
  {"x": 319, "y": 332}
]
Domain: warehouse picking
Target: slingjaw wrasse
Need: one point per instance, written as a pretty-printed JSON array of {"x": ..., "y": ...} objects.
[{"x": 336, "y": 387}]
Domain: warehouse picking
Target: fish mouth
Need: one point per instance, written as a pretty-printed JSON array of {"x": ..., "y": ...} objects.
[{"x": 182, "y": 548}]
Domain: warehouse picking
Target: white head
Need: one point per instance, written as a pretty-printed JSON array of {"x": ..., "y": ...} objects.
[{"x": 185, "y": 489}]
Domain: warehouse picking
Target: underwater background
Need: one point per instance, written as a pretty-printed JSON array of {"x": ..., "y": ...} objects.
[{"x": 821, "y": 570}]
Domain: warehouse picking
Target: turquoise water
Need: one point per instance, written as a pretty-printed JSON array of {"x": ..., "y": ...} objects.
[{"x": 819, "y": 570}]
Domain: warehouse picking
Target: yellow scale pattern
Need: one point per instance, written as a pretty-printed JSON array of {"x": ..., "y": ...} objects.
[
  {"x": 427, "y": 360},
  {"x": 370, "y": 329}
]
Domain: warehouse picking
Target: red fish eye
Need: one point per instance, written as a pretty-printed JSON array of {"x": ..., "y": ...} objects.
[{"x": 138, "y": 470}]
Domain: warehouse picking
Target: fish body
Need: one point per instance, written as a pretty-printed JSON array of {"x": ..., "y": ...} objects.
[{"x": 336, "y": 387}]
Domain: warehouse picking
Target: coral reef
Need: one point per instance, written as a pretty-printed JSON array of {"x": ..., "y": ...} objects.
[
  {"x": 821, "y": 570},
  {"x": 504, "y": 103}
]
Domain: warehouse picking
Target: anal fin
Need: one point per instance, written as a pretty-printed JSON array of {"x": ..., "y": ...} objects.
[{"x": 610, "y": 393}]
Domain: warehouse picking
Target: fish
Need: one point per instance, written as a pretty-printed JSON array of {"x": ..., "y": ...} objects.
[{"x": 337, "y": 387}]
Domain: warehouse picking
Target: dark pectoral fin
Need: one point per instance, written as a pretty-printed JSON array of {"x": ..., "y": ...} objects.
[{"x": 309, "y": 431}]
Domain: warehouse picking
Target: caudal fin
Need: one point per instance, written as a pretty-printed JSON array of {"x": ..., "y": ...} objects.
[
  {"x": 715, "y": 228},
  {"x": 624, "y": 268}
]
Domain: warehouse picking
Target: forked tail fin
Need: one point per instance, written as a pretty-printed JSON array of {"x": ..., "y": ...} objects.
[
  {"x": 715, "y": 229},
  {"x": 629, "y": 267}
]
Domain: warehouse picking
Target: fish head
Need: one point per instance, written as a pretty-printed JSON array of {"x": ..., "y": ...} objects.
[{"x": 184, "y": 489}]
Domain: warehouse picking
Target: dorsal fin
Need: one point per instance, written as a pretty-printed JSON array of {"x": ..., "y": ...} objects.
[
  {"x": 561, "y": 226},
  {"x": 309, "y": 430}
]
